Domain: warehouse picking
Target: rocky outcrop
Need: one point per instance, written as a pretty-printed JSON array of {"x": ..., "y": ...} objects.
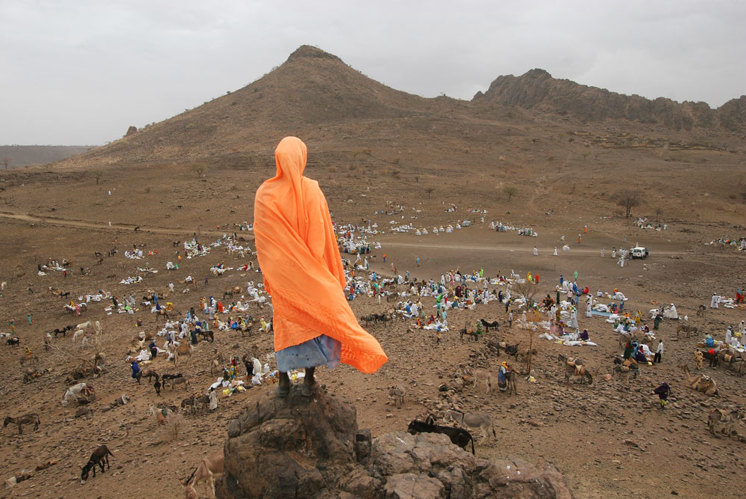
[
  {"x": 537, "y": 90},
  {"x": 310, "y": 447}
]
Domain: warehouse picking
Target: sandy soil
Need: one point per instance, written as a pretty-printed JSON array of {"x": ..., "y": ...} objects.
[{"x": 609, "y": 438}]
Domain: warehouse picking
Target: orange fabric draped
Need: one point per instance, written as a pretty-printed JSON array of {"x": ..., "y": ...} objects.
[{"x": 301, "y": 265}]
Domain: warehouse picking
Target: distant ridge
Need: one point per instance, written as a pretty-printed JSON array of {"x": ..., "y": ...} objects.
[
  {"x": 18, "y": 156},
  {"x": 315, "y": 95},
  {"x": 537, "y": 90}
]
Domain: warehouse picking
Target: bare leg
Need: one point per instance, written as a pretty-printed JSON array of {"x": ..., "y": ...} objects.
[{"x": 284, "y": 387}]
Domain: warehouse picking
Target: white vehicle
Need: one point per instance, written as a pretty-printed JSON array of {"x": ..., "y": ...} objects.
[{"x": 638, "y": 252}]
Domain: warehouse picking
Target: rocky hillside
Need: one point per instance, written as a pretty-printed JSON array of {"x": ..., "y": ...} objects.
[
  {"x": 537, "y": 90},
  {"x": 312, "y": 94},
  {"x": 343, "y": 115}
]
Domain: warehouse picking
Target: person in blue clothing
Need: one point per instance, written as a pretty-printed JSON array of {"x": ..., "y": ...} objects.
[
  {"x": 136, "y": 373},
  {"x": 502, "y": 376},
  {"x": 153, "y": 350}
]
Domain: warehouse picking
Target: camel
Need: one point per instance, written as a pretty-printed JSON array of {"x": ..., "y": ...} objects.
[
  {"x": 719, "y": 422},
  {"x": 701, "y": 383},
  {"x": 184, "y": 349}
]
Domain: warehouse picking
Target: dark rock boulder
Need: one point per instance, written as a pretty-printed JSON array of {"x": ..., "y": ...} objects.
[{"x": 310, "y": 447}]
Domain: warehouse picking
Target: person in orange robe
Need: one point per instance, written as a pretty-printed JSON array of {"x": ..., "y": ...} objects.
[{"x": 302, "y": 269}]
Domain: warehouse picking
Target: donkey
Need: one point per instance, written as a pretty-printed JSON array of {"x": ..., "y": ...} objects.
[{"x": 30, "y": 418}]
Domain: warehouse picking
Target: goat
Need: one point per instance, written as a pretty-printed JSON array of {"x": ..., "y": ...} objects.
[
  {"x": 478, "y": 374},
  {"x": 63, "y": 331},
  {"x": 699, "y": 357},
  {"x": 397, "y": 394},
  {"x": 14, "y": 341},
  {"x": 30, "y": 418},
  {"x": 78, "y": 333},
  {"x": 209, "y": 466},
  {"x": 496, "y": 346},
  {"x": 100, "y": 456},
  {"x": 481, "y": 421},
  {"x": 458, "y": 436},
  {"x": 369, "y": 318},
  {"x": 487, "y": 325},
  {"x": 686, "y": 328}
]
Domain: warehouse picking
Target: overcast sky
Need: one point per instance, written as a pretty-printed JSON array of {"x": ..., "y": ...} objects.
[{"x": 79, "y": 72}]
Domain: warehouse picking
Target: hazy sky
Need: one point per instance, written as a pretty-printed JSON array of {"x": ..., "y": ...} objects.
[{"x": 82, "y": 71}]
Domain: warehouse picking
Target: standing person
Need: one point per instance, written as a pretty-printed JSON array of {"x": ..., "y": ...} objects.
[
  {"x": 302, "y": 270},
  {"x": 28, "y": 317},
  {"x": 153, "y": 350},
  {"x": 658, "y": 352},
  {"x": 657, "y": 320}
]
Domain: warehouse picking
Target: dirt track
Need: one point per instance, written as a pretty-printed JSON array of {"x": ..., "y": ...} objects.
[{"x": 83, "y": 224}]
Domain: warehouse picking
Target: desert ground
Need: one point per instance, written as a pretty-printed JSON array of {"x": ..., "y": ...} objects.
[{"x": 608, "y": 438}]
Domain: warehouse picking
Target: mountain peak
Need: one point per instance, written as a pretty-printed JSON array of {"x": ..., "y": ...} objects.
[
  {"x": 308, "y": 51},
  {"x": 537, "y": 73}
]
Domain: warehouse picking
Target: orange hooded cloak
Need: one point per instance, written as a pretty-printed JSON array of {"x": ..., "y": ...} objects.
[{"x": 301, "y": 265}]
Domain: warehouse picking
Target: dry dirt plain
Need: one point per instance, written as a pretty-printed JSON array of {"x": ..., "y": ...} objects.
[{"x": 609, "y": 438}]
